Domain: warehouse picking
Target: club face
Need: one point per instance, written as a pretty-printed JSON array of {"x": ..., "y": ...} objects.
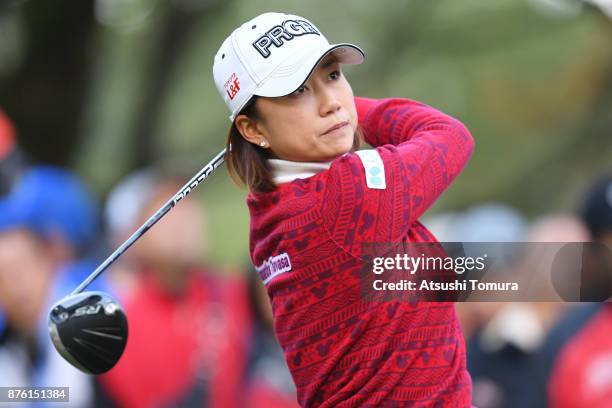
[{"x": 89, "y": 330}]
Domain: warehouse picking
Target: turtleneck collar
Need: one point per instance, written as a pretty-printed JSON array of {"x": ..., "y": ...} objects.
[{"x": 284, "y": 171}]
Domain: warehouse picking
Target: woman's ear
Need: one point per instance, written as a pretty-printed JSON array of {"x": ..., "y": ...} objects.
[{"x": 249, "y": 129}]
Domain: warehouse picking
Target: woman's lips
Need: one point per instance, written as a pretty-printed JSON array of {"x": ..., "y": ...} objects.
[{"x": 336, "y": 127}]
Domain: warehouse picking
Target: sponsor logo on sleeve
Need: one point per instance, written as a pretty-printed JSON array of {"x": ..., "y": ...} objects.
[{"x": 273, "y": 266}]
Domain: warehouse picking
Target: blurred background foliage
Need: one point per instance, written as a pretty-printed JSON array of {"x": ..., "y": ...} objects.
[{"x": 108, "y": 86}]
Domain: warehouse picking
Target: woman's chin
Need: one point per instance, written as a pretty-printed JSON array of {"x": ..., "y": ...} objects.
[{"x": 340, "y": 146}]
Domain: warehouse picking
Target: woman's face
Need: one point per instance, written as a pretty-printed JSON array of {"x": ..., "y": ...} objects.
[{"x": 315, "y": 123}]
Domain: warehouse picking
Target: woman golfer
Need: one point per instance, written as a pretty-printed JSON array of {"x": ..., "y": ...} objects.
[{"x": 314, "y": 200}]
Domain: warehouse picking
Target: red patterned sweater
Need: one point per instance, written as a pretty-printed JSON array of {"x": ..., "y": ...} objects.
[{"x": 305, "y": 239}]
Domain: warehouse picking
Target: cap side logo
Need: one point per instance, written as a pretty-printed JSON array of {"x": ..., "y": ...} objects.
[
  {"x": 287, "y": 30},
  {"x": 232, "y": 86}
]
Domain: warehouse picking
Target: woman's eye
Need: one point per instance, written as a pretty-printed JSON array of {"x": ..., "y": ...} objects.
[
  {"x": 334, "y": 75},
  {"x": 300, "y": 90}
]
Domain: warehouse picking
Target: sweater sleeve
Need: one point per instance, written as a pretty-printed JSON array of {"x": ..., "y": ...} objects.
[{"x": 422, "y": 152}]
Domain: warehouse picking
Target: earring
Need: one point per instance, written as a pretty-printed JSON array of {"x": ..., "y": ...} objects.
[{"x": 263, "y": 143}]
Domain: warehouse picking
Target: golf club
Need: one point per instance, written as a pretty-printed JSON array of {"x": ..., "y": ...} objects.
[{"x": 89, "y": 329}]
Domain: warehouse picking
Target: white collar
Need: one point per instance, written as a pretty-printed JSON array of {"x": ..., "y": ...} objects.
[{"x": 284, "y": 171}]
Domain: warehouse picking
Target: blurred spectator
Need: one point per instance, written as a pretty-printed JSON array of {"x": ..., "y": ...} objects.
[
  {"x": 582, "y": 371},
  {"x": 47, "y": 221},
  {"x": 187, "y": 324},
  {"x": 487, "y": 222},
  {"x": 553, "y": 228},
  {"x": 506, "y": 347},
  {"x": 268, "y": 382},
  {"x": 490, "y": 222},
  {"x": 12, "y": 161},
  {"x": 597, "y": 210}
]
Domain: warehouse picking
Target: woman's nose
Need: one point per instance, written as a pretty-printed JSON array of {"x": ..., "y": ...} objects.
[{"x": 329, "y": 102}]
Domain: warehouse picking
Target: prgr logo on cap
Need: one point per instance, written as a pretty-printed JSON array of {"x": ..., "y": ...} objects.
[
  {"x": 232, "y": 86},
  {"x": 288, "y": 30}
]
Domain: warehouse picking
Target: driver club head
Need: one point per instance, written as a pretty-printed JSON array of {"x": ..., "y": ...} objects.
[{"x": 89, "y": 330}]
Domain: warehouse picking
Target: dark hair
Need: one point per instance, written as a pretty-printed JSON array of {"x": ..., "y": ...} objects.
[
  {"x": 247, "y": 163},
  {"x": 597, "y": 208}
]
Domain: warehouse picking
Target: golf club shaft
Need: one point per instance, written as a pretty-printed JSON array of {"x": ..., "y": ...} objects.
[{"x": 182, "y": 193}]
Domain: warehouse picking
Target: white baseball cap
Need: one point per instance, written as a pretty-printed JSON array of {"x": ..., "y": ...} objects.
[{"x": 272, "y": 55}]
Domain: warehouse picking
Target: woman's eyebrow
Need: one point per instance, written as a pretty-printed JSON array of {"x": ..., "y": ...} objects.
[{"x": 328, "y": 63}]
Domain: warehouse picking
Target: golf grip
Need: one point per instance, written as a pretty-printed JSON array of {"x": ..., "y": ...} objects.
[{"x": 182, "y": 193}]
